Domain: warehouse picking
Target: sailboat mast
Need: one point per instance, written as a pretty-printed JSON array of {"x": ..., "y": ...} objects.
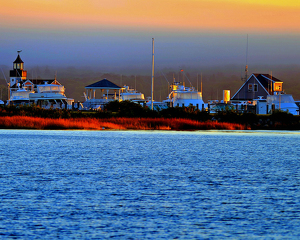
[
  {"x": 201, "y": 84},
  {"x": 152, "y": 77}
]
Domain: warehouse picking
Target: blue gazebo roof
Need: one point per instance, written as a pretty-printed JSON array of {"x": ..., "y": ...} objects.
[{"x": 103, "y": 84}]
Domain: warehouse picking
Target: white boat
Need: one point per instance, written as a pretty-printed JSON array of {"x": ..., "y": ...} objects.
[
  {"x": 50, "y": 96},
  {"x": 157, "y": 106},
  {"x": 131, "y": 95},
  {"x": 19, "y": 96},
  {"x": 182, "y": 96},
  {"x": 283, "y": 102}
]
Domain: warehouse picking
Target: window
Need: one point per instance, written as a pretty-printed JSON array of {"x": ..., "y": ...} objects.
[
  {"x": 250, "y": 87},
  {"x": 255, "y": 87}
]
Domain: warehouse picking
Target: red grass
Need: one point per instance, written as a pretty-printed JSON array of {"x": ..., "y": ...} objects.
[{"x": 20, "y": 122}]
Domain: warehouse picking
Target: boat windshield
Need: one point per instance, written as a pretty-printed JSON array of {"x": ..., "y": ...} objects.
[{"x": 50, "y": 88}]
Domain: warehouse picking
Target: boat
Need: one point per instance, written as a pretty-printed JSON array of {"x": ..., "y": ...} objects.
[
  {"x": 157, "y": 106},
  {"x": 19, "y": 96},
  {"x": 282, "y": 102},
  {"x": 44, "y": 95},
  {"x": 182, "y": 96},
  {"x": 50, "y": 96},
  {"x": 131, "y": 95}
]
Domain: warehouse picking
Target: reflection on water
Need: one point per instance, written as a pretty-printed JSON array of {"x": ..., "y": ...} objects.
[{"x": 149, "y": 184}]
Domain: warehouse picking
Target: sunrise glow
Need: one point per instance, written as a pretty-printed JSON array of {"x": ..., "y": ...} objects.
[{"x": 233, "y": 15}]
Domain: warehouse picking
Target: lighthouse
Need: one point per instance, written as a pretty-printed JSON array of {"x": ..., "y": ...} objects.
[{"x": 18, "y": 74}]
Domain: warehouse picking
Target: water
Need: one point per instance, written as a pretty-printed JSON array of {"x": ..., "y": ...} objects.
[{"x": 149, "y": 185}]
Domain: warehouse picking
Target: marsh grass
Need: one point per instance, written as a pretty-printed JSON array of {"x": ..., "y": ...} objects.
[{"x": 24, "y": 122}]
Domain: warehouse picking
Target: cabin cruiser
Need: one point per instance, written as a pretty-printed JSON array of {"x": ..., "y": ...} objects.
[
  {"x": 131, "y": 95},
  {"x": 44, "y": 95},
  {"x": 19, "y": 96},
  {"x": 157, "y": 106},
  {"x": 50, "y": 96},
  {"x": 283, "y": 102},
  {"x": 182, "y": 96}
]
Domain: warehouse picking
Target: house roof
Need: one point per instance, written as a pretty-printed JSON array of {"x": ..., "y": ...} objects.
[
  {"x": 263, "y": 79},
  {"x": 270, "y": 77},
  {"x": 103, "y": 84},
  {"x": 18, "y": 59}
]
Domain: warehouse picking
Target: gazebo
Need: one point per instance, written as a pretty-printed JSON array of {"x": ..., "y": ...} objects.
[{"x": 106, "y": 87}]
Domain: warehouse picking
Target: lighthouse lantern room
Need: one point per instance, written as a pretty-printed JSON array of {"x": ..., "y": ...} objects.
[{"x": 18, "y": 73}]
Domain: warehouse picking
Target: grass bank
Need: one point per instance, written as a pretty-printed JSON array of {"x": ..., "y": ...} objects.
[
  {"x": 128, "y": 115},
  {"x": 25, "y": 122}
]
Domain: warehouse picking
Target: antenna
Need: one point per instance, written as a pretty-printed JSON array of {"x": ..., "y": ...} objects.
[{"x": 246, "y": 67}]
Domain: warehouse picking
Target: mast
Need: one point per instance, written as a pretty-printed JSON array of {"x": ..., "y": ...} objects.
[
  {"x": 152, "y": 75},
  {"x": 197, "y": 82},
  {"x": 246, "y": 68},
  {"x": 201, "y": 85}
]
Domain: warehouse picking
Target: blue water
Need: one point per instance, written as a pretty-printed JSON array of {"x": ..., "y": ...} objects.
[{"x": 149, "y": 185}]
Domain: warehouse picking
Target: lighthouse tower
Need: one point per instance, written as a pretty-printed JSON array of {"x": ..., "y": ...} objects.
[{"x": 18, "y": 74}]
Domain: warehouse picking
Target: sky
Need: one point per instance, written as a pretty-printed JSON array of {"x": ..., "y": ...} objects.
[{"x": 113, "y": 34}]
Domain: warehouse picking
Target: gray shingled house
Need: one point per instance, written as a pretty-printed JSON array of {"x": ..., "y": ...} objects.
[{"x": 258, "y": 86}]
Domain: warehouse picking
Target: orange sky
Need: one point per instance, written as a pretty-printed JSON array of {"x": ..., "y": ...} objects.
[{"x": 225, "y": 15}]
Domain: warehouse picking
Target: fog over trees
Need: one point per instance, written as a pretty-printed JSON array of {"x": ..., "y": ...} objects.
[{"x": 215, "y": 79}]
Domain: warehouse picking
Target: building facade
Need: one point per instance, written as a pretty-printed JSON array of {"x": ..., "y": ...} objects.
[{"x": 258, "y": 86}]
